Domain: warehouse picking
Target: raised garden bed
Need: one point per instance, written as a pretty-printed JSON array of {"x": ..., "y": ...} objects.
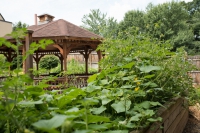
[{"x": 174, "y": 118}]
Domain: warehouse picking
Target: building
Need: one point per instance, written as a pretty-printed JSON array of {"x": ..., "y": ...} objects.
[{"x": 5, "y": 26}]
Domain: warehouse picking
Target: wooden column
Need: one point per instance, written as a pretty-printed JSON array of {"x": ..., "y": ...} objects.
[
  {"x": 99, "y": 58},
  {"x": 29, "y": 59},
  {"x": 65, "y": 56},
  {"x": 24, "y": 54},
  {"x": 86, "y": 61}
]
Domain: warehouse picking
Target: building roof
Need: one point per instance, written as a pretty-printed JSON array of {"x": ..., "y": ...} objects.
[
  {"x": 61, "y": 28},
  {"x": 2, "y": 17}
]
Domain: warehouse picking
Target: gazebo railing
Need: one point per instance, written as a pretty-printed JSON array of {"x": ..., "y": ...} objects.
[{"x": 77, "y": 80}]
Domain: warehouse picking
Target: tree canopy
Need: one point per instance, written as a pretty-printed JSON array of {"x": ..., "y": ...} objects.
[{"x": 176, "y": 22}]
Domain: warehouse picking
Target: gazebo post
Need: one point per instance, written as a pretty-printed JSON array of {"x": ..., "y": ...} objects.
[
  {"x": 99, "y": 58},
  {"x": 86, "y": 60},
  {"x": 29, "y": 59},
  {"x": 37, "y": 61},
  {"x": 65, "y": 56},
  {"x": 61, "y": 63}
]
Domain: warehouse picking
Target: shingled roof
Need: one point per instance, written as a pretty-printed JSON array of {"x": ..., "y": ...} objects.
[{"x": 61, "y": 28}]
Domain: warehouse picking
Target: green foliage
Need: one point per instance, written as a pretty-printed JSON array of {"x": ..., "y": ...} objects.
[
  {"x": 97, "y": 23},
  {"x": 48, "y": 62},
  {"x": 14, "y": 63},
  {"x": 139, "y": 74},
  {"x": 132, "y": 18},
  {"x": 19, "y": 25}
]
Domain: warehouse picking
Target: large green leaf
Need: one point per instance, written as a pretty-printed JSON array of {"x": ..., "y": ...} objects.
[
  {"x": 92, "y": 78},
  {"x": 136, "y": 117},
  {"x": 105, "y": 100},
  {"x": 129, "y": 65},
  {"x": 92, "y": 88},
  {"x": 100, "y": 127},
  {"x": 95, "y": 119},
  {"x": 121, "y": 106},
  {"x": 98, "y": 110},
  {"x": 52, "y": 123},
  {"x": 69, "y": 97},
  {"x": 148, "y": 69}
]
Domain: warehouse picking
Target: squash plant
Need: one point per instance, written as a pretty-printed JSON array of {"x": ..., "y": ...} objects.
[{"x": 139, "y": 74}]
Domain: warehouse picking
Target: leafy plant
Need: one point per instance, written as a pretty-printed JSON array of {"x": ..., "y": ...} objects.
[
  {"x": 48, "y": 62},
  {"x": 138, "y": 76}
]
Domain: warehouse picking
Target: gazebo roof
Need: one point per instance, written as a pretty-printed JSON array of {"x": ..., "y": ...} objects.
[{"x": 61, "y": 28}]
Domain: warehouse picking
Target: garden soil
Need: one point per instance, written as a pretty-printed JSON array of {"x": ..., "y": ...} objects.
[{"x": 193, "y": 124}]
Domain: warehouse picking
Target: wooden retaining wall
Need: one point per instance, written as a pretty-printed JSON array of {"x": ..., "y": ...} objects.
[{"x": 175, "y": 117}]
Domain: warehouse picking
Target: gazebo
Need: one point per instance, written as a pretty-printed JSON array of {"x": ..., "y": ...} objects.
[{"x": 67, "y": 38}]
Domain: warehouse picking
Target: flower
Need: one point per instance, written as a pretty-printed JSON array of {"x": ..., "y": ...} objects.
[
  {"x": 135, "y": 79},
  {"x": 137, "y": 88}
]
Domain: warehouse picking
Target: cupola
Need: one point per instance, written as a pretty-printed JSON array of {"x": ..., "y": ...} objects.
[{"x": 44, "y": 18}]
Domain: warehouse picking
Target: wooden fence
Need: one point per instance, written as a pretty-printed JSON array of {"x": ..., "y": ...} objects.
[{"x": 195, "y": 74}]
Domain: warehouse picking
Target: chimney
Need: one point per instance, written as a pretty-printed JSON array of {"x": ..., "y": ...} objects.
[{"x": 35, "y": 19}]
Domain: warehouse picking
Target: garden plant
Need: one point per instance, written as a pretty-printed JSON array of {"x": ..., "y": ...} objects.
[{"x": 139, "y": 74}]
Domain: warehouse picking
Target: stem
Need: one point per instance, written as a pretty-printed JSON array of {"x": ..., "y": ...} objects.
[{"x": 86, "y": 117}]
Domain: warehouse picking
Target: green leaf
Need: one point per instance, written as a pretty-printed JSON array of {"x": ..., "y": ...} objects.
[
  {"x": 92, "y": 78},
  {"x": 99, "y": 110},
  {"x": 127, "y": 86},
  {"x": 145, "y": 104},
  {"x": 155, "y": 119},
  {"x": 70, "y": 96},
  {"x": 100, "y": 127},
  {"x": 149, "y": 76},
  {"x": 1, "y": 94},
  {"x": 30, "y": 102},
  {"x": 128, "y": 58},
  {"x": 136, "y": 117},
  {"x": 121, "y": 106},
  {"x": 148, "y": 69},
  {"x": 117, "y": 131},
  {"x": 156, "y": 104},
  {"x": 104, "y": 82},
  {"x": 129, "y": 65},
  {"x": 95, "y": 119},
  {"x": 53, "y": 123},
  {"x": 105, "y": 100},
  {"x": 92, "y": 88},
  {"x": 150, "y": 84},
  {"x": 82, "y": 131}
]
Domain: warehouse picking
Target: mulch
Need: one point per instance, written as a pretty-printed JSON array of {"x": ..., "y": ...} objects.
[{"x": 193, "y": 124}]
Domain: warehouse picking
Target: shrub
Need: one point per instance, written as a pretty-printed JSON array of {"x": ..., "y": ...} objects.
[{"x": 48, "y": 62}]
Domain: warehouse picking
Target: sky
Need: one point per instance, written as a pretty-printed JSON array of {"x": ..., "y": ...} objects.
[{"x": 70, "y": 10}]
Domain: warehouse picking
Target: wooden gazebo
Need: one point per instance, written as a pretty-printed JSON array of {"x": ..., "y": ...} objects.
[{"x": 67, "y": 38}]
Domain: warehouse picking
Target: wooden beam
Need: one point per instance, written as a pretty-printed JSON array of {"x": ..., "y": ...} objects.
[{"x": 58, "y": 47}]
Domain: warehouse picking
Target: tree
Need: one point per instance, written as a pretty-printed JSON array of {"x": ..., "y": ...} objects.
[
  {"x": 132, "y": 18},
  {"x": 193, "y": 6},
  {"x": 97, "y": 23},
  {"x": 168, "y": 21},
  {"x": 48, "y": 62},
  {"x": 19, "y": 25}
]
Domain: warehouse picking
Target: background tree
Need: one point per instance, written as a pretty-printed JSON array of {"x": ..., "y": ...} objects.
[
  {"x": 97, "y": 23},
  {"x": 48, "y": 62},
  {"x": 132, "y": 18},
  {"x": 19, "y": 25}
]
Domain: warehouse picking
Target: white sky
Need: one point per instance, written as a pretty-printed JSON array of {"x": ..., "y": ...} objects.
[{"x": 70, "y": 10}]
